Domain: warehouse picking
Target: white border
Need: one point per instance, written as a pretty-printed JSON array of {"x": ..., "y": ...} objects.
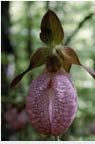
[
  {"x": 50, "y": 0},
  {"x": 36, "y": 142},
  {"x": 0, "y": 70},
  {"x": 48, "y": 142}
]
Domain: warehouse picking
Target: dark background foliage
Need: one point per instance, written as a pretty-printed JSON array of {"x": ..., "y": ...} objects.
[{"x": 20, "y": 37}]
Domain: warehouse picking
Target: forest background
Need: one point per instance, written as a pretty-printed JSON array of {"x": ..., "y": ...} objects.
[{"x": 20, "y": 22}]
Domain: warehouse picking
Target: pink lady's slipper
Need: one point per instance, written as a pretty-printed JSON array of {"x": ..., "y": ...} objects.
[
  {"x": 52, "y": 99},
  {"x": 15, "y": 120}
]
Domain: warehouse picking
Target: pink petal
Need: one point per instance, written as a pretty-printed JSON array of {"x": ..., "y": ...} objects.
[{"x": 51, "y": 103}]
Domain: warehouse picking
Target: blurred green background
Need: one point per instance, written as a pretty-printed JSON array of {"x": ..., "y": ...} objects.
[{"x": 20, "y": 38}]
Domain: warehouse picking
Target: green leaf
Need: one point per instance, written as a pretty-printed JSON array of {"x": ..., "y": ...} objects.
[
  {"x": 37, "y": 59},
  {"x": 69, "y": 57},
  {"x": 51, "y": 29}
]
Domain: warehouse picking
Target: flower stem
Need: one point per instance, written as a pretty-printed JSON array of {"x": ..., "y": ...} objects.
[{"x": 55, "y": 138}]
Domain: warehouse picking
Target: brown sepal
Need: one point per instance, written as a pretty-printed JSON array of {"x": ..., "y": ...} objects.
[
  {"x": 37, "y": 59},
  {"x": 51, "y": 30},
  {"x": 69, "y": 57}
]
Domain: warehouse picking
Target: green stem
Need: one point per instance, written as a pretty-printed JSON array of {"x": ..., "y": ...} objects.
[{"x": 55, "y": 138}]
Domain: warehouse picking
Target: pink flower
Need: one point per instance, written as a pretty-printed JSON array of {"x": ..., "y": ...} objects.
[
  {"x": 15, "y": 120},
  {"x": 51, "y": 103}
]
